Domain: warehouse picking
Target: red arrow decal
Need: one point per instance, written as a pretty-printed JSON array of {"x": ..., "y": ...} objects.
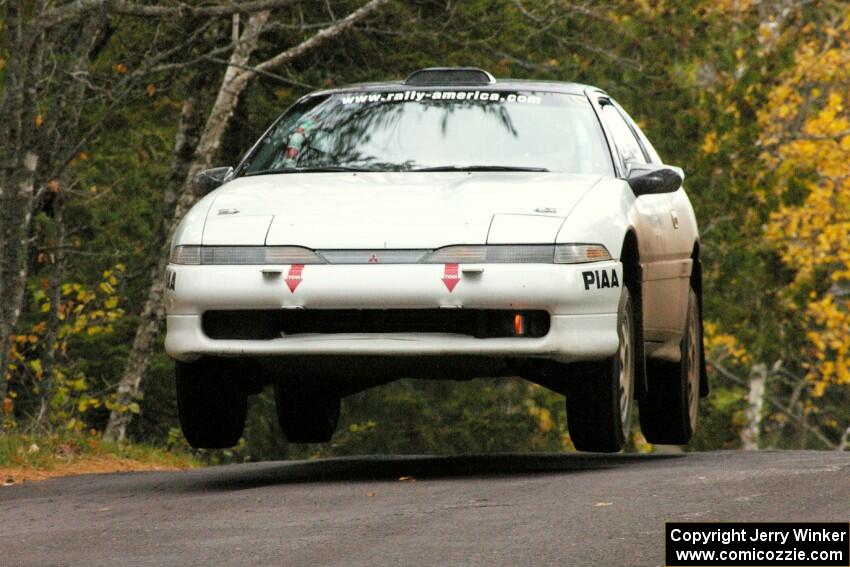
[
  {"x": 293, "y": 278},
  {"x": 451, "y": 277}
]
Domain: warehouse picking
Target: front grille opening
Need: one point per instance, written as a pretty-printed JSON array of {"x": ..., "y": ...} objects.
[{"x": 270, "y": 324}]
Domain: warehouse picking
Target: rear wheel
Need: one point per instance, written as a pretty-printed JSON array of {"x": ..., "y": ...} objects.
[
  {"x": 668, "y": 412},
  {"x": 599, "y": 394},
  {"x": 211, "y": 403},
  {"x": 306, "y": 413}
]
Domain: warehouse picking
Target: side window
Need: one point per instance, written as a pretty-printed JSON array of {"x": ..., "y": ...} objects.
[
  {"x": 653, "y": 155},
  {"x": 624, "y": 138}
]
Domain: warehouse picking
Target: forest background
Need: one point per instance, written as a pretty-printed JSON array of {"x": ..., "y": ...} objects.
[{"x": 110, "y": 107}]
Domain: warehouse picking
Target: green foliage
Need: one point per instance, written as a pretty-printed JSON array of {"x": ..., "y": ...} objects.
[
  {"x": 694, "y": 73},
  {"x": 61, "y": 450},
  {"x": 423, "y": 416},
  {"x": 62, "y": 391}
]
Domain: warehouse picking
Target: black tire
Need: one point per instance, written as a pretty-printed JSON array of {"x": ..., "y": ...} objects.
[
  {"x": 211, "y": 403},
  {"x": 668, "y": 412},
  {"x": 306, "y": 413},
  {"x": 600, "y": 396}
]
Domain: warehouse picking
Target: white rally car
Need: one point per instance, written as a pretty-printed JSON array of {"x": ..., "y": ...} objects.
[{"x": 448, "y": 226}]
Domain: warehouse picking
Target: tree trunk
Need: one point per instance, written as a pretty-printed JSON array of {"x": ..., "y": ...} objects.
[
  {"x": 35, "y": 146},
  {"x": 845, "y": 440},
  {"x": 153, "y": 312},
  {"x": 19, "y": 161},
  {"x": 755, "y": 404},
  {"x": 15, "y": 219},
  {"x": 47, "y": 387},
  {"x": 236, "y": 79}
]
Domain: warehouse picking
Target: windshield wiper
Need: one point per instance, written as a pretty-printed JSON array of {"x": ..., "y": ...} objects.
[
  {"x": 478, "y": 168},
  {"x": 316, "y": 169}
]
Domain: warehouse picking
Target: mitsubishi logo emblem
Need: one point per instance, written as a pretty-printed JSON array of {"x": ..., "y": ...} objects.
[{"x": 373, "y": 259}]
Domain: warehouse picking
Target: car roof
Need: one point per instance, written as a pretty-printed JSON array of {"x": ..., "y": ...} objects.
[{"x": 499, "y": 84}]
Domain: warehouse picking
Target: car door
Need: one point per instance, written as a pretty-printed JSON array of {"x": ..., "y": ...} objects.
[{"x": 656, "y": 221}]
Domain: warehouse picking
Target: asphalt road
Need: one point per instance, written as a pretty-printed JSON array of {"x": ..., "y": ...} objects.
[{"x": 512, "y": 510}]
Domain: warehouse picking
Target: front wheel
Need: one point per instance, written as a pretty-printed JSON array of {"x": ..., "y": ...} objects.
[
  {"x": 307, "y": 413},
  {"x": 211, "y": 403},
  {"x": 600, "y": 393},
  {"x": 668, "y": 412}
]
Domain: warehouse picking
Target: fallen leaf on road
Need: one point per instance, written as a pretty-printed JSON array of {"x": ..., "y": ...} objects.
[
  {"x": 371, "y": 494},
  {"x": 600, "y": 504},
  {"x": 8, "y": 481},
  {"x": 407, "y": 479}
]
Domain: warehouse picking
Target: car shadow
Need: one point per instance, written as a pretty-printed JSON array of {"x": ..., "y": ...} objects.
[{"x": 378, "y": 467}]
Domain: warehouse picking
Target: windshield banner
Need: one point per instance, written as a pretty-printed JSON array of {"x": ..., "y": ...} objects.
[{"x": 418, "y": 96}]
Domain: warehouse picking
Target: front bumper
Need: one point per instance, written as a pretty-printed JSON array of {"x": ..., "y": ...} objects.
[{"x": 583, "y": 317}]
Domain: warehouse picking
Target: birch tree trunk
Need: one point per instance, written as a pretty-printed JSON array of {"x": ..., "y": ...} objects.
[
  {"x": 43, "y": 114},
  {"x": 237, "y": 77},
  {"x": 755, "y": 405},
  {"x": 19, "y": 161},
  {"x": 152, "y": 314}
]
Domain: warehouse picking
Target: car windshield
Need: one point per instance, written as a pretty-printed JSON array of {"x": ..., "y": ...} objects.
[{"x": 435, "y": 130}]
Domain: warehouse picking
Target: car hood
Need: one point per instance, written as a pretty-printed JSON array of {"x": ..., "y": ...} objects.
[{"x": 393, "y": 210}]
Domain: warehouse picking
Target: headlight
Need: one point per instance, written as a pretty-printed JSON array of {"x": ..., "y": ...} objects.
[
  {"x": 243, "y": 255},
  {"x": 580, "y": 253},
  {"x": 186, "y": 255},
  {"x": 462, "y": 254},
  {"x": 519, "y": 254}
]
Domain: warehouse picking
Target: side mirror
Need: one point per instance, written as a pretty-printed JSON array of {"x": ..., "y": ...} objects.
[
  {"x": 652, "y": 179},
  {"x": 210, "y": 179}
]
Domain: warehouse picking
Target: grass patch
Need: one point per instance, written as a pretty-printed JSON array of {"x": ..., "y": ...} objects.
[{"x": 26, "y": 458}]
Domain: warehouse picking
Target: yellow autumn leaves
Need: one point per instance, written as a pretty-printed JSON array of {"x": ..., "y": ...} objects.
[
  {"x": 806, "y": 135},
  {"x": 81, "y": 312}
]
